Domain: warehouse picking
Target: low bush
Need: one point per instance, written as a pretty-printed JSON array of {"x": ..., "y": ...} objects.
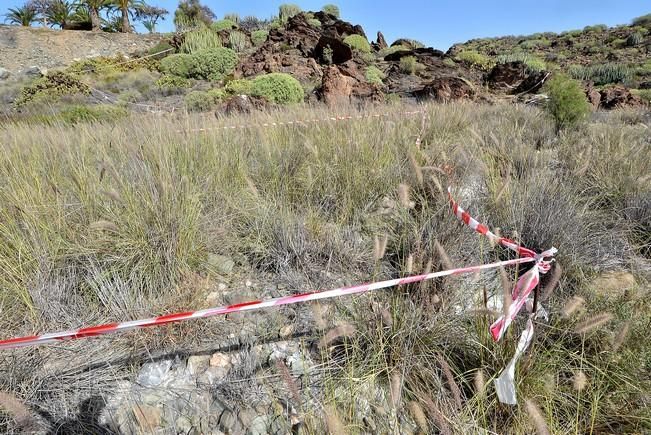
[
  {"x": 213, "y": 64},
  {"x": 179, "y": 65},
  {"x": 358, "y": 42},
  {"x": 530, "y": 44},
  {"x": 258, "y": 37},
  {"x": 224, "y": 24},
  {"x": 645, "y": 94},
  {"x": 532, "y": 63},
  {"x": 567, "y": 102},
  {"x": 287, "y": 11},
  {"x": 393, "y": 49},
  {"x": 239, "y": 87},
  {"x": 314, "y": 22},
  {"x": 238, "y": 41},
  {"x": 171, "y": 82},
  {"x": 331, "y": 10},
  {"x": 474, "y": 58},
  {"x": 278, "y": 88},
  {"x": 51, "y": 87},
  {"x": 374, "y": 75},
  {"x": 601, "y": 74},
  {"x": 201, "y": 101},
  {"x": 597, "y": 28},
  {"x": 99, "y": 113},
  {"x": 410, "y": 65},
  {"x": 643, "y": 21},
  {"x": 163, "y": 49},
  {"x": 200, "y": 39},
  {"x": 634, "y": 39},
  {"x": 233, "y": 16}
]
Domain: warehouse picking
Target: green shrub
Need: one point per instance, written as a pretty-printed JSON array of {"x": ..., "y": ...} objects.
[
  {"x": 567, "y": 102},
  {"x": 643, "y": 21},
  {"x": 179, "y": 65},
  {"x": 171, "y": 82},
  {"x": 314, "y": 22},
  {"x": 51, "y": 87},
  {"x": 239, "y": 87},
  {"x": 634, "y": 39},
  {"x": 358, "y": 42},
  {"x": 200, "y": 101},
  {"x": 238, "y": 41},
  {"x": 532, "y": 63},
  {"x": 213, "y": 64},
  {"x": 286, "y": 11},
  {"x": 645, "y": 94},
  {"x": 224, "y": 24},
  {"x": 410, "y": 65},
  {"x": 200, "y": 39},
  {"x": 233, "y": 16},
  {"x": 275, "y": 24},
  {"x": 474, "y": 58},
  {"x": 601, "y": 74},
  {"x": 530, "y": 44},
  {"x": 448, "y": 61},
  {"x": 374, "y": 75},
  {"x": 163, "y": 48},
  {"x": 217, "y": 94},
  {"x": 597, "y": 28},
  {"x": 394, "y": 49},
  {"x": 259, "y": 37},
  {"x": 98, "y": 113},
  {"x": 278, "y": 87},
  {"x": 331, "y": 10}
]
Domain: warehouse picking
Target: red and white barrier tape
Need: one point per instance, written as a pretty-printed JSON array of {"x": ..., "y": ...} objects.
[
  {"x": 505, "y": 384},
  {"x": 303, "y": 122},
  {"x": 94, "y": 331}
]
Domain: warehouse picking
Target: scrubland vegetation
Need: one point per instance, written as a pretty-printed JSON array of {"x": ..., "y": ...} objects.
[{"x": 113, "y": 220}]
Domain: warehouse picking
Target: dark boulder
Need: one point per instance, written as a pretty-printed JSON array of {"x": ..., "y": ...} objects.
[
  {"x": 340, "y": 52},
  {"x": 618, "y": 96},
  {"x": 445, "y": 89}
]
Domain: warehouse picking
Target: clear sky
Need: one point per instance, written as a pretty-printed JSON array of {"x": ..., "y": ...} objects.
[{"x": 441, "y": 23}]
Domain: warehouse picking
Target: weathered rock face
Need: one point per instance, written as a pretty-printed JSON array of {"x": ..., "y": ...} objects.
[
  {"x": 381, "y": 43},
  {"x": 618, "y": 96},
  {"x": 336, "y": 87},
  {"x": 243, "y": 104},
  {"x": 594, "y": 97},
  {"x": 515, "y": 78},
  {"x": 445, "y": 89}
]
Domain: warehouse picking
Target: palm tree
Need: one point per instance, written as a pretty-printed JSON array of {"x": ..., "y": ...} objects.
[
  {"x": 23, "y": 16},
  {"x": 125, "y": 6},
  {"x": 94, "y": 7},
  {"x": 61, "y": 13}
]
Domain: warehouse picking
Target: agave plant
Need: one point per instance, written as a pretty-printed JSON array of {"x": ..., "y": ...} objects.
[{"x": 23, "y": 16}]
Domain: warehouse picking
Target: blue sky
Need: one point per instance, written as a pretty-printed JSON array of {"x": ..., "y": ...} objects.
[{"x": 442, "y": 23}]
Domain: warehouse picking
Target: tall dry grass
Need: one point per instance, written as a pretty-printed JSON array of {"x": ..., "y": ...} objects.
[{"x": 107, "y": 221}]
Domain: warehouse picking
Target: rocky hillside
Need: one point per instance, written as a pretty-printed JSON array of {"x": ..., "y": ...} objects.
[
  {"x": 25, "y": 47},
  {"x": 332, "y": 61}
]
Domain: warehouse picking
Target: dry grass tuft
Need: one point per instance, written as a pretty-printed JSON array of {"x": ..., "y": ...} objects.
[
  {"x": 404, "y": 197},
  {"x": 334, "y": 424},
  {"x": 395, "y": 388},
  {"x": 621, "y": 336},
  {"x": 438, "y": 417},
  {"x": 289, "y": 382},
  {"x": 380, "y": 246},
  {"x": 103, "y": 225},
  {"x": 449, "y": 379},
  {"x": 443, "y": 256},
  {"x": 418, "y": 415},
  {"x": 572, "y": 306},
  {"x": 554, "y": 279},
  {"x": 593, "y": 323},
  {"x": 579, "y": 381},
  {"x": 536, "y": 417},
  {"x": 480, "y": 383},
  {"x": 416, "y": 169}
]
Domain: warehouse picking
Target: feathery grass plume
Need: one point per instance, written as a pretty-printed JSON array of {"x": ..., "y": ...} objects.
[
  {"x": 438, "y": 185},
  {"x": 552, "y": 283},
  {"x": 428, "y": 269},
  {"x": 480, "y": 383},
  {"x": 103, "y": 225},
  {"x": 449, "y": 379},
  {"x": 289, "y": 381},
  {"x": 418, "y": 415},
  {"x": 403, "y": 196},
  {"x": 17, "y": 409},
  {"x": 380, "y": 246},
  {"x": 318, "y": 314},
  {"x": 507, "y": 299},
  {"x": 341, "y": 331},
  {"x": 395, "y": 388},
  {"x": 572, "y": 306},
  {"x": 113, "y": 194},
  {"x": 415, "y": 167},
  {"x": 593, "y": 323},
  {"x": 334, "y": 424},
  {"x": 387, "y": 320},
  {"x": 505, "y": 185},
  {"x": 436, "y": 415},
  {"x": 620, "y": 338},
  {"x": 495, "y": 241},
  {"x": 251, "y": 185},
  {"x": 443, "y": 256},
  {"x": 409, "y": 264},
  {"x": 536, "y": 417},
  {"x": 579, "y": 381}
]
